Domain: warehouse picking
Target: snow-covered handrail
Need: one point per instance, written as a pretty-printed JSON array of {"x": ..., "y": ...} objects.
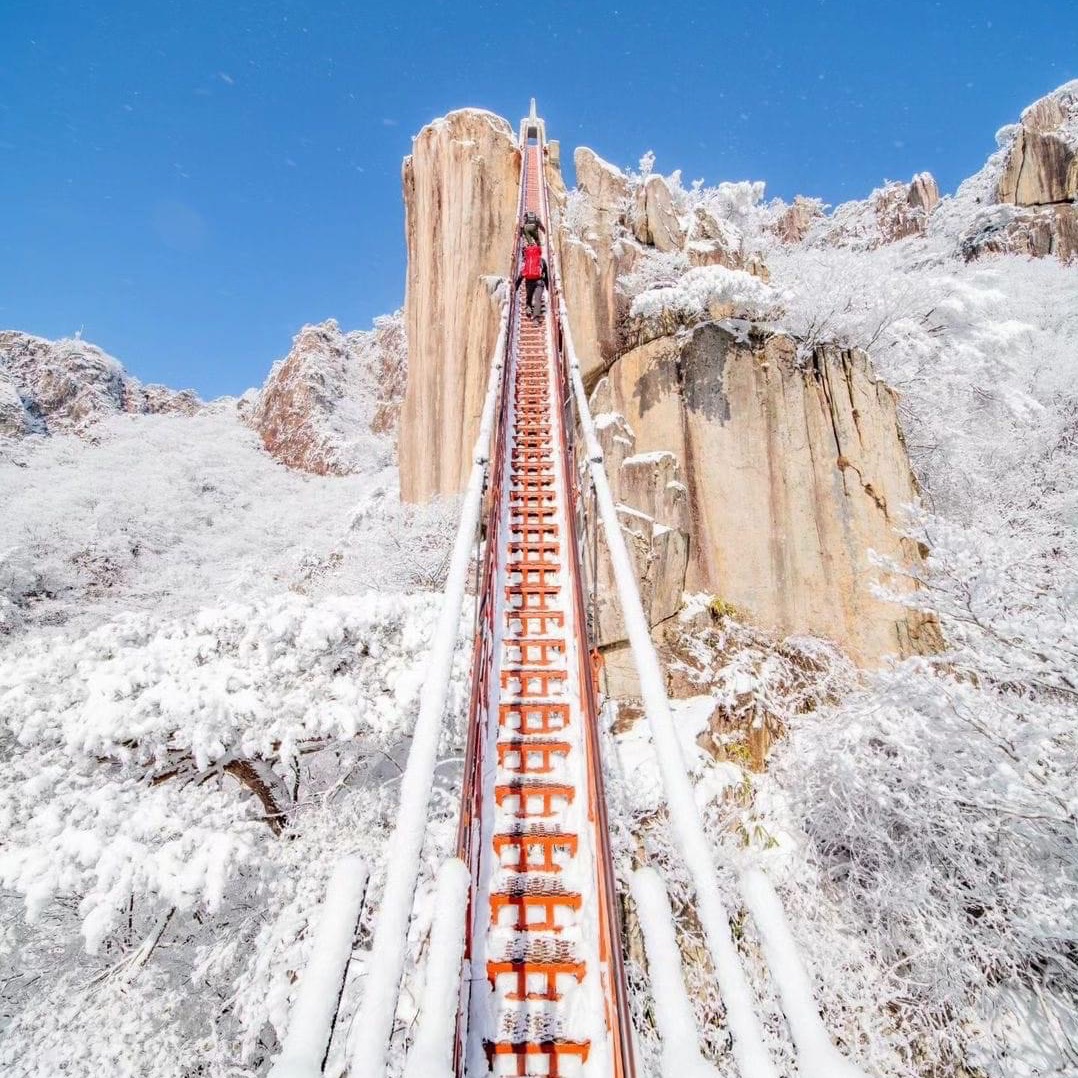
[
  {"x": 749, "y": 1050},
  {"x": 817, "y": 1057},
  {"x": 673, "y": 1012},
  {"x": 431, "y": 1054},
  {"x": 315, "y": 1009},
  {"x": 373, "y": 1025}
]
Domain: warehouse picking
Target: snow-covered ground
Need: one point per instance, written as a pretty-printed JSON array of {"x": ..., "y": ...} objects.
[{"x": 198, "y": 646}]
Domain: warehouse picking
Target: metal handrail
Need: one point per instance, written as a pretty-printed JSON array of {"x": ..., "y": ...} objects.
[{"x": 618, "y": 1016}]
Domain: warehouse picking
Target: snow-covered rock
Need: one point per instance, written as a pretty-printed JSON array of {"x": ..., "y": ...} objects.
[
  {"x": 1041, "y": 165},
  {"x": 67, "y": 385},
  {"x": 794, "y": 222},
  {"x": 329, "y": 406},
  {"x": 1025, "y": 199}
]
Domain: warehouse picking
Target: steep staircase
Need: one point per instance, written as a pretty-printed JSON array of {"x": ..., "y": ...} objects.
[
  {"x": 524, "y": 973},
  {"x": 545, "y": 998}
]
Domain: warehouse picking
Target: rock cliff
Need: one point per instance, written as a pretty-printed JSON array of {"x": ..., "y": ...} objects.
[
  {"x": 1027, "y": 193},
  {"x": 327, "y": 407},
  {"x": 460, "y": 195},
  {"x": 744, "y": 465},
  {"x": 48, "y": 387},
  {"x": 794, "y": 468}
]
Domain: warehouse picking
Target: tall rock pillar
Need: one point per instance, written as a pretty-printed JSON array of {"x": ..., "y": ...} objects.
[{"x": 460, "y": 198}]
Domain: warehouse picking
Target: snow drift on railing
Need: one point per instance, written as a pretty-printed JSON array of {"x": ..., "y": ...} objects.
[
  {"x": 431, "y": 1055},
  {"x": 311, "y": 1022},
  {"x": 673, "y": 1012}
]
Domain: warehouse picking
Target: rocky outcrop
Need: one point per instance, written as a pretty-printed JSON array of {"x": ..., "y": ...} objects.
[
  {"x": 605, "y": 187},
  {"x": 460, "y": 195},
  {"x": 902, "y": 210},
  {"x": 1036, "y": 233},
  {"x": 1033, "y": 183},
  {"x": 793, "y": 224},
  {"x": 322, "y": 405},
  {"x": 592, "y": 254},
  {"x": 795, "y": 469},
  {"x": 1041, "y": 166},
  {"x": 596, "y": 307},
  {"x": 655, "y": 222},
  {"x": 893, "y": 212},
  {"x": 48, "y": 387}
]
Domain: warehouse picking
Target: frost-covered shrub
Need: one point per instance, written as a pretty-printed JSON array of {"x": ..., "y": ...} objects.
[
  {"x": 941, "y": 800},
  {"x": 163, "y": 512},
  {"x": 654, "y": 269},
  {"x": 576, "y": 215},
  {"x": 702, "y": 289},
  {"x": 177, "y": 790}
]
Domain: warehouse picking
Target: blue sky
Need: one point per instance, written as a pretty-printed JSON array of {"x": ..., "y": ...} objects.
[{"x": 191, "y": 182}]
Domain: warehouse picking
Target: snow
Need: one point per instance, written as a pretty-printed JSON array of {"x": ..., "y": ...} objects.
[
  {"x": 702, "y": 288},
  {"x": 374, "y": 1025},
  {"x": 164, "y": 513},
  {"x": 816, "y": 1055},
  {"x": 658, "y": 456},
  {"x": 315, "y": 1009},
  {"x": 431, "y": 1054},
  {"x": 673, "y": 1013}
]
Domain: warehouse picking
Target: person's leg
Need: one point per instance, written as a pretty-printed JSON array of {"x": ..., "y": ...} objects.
[{"x": 529, "y": 296}]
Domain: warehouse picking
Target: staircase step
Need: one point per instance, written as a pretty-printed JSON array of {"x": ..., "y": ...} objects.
[
  {"x": 527, "y": 974},
  {"x": 533, "y": 681},
  {"x": 526, "y": 840},
  {"x": 533, "y": 650},
  {"x": 532, "y": 799},
  {"x": 530, "y": 757},
  {"x": 549, "y": 1055},
  {"x": 534, "y": 910},
  {"x": 522, "y": 622}
]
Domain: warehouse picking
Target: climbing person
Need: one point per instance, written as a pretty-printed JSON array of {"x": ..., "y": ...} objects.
[
  {"x": 530, "y": 228},
  {"x": 533, "y": 273}
]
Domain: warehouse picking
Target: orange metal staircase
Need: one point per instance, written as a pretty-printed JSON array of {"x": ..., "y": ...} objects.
[{"x": 545, "y": 993}]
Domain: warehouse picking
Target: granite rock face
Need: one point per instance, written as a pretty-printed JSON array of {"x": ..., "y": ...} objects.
[
  {"x": 794, "y": 471},
  {"x": 1033, "y": 200},
  {"x": 1041, "y": 166},
  {"x": 460, "y": 198}
]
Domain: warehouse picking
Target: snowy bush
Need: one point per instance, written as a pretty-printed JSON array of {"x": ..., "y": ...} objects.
[
  {"x": 178, "y": 789},
  {"x": 165, "y": 512},
  {"x": 654, "y": 269},
  {"x": 941, "y": 800},
  {"x": 703, "y": 288}
]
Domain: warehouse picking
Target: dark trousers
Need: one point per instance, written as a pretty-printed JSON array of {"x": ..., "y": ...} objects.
[{"x": 530, "y": 289}]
